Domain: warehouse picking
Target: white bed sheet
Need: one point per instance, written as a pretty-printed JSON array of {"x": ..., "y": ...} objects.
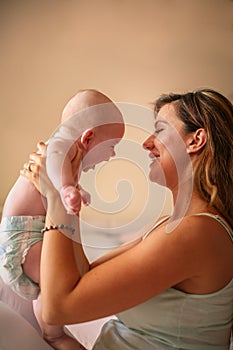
[{"x": 17, "y": 320}]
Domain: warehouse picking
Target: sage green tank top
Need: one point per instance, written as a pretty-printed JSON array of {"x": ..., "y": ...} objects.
[{"x": 174, "y": 320}]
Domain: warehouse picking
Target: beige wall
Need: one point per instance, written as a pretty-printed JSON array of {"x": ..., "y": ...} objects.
[{"x": 130, "y": 49}]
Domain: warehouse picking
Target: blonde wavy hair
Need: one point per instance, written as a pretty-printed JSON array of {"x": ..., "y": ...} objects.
[{"x": 213, "y": 171}]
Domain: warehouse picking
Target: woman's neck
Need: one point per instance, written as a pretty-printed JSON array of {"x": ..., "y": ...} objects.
[{"x": 189, "y": 204}]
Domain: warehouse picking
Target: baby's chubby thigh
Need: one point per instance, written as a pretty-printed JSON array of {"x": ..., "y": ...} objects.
[{"x": 31, "y": 265}]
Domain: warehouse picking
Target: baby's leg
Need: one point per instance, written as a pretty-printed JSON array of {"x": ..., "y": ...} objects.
[
  {"x": 55, "y": 335},
  {"x": 20, "y": 255},
  {"x": 31, "y": 265}
]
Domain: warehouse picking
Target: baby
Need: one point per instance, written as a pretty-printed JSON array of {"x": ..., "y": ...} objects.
[
  {"x": 91, "y": 126},
  {"x": 62, "y": 148}
]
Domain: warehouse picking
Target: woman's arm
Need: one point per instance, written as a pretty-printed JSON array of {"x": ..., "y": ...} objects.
[
  {"x": 115, "y": 285},
  {"x": 115, "y": 252}
]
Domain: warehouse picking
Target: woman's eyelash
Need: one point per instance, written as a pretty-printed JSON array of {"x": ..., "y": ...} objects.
[{"x": 158, "y": 131}]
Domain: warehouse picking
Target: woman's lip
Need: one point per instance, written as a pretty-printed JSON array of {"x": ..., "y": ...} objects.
[{"x": 153, "y": 156}]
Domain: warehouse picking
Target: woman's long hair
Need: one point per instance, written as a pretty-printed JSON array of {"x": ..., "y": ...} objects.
[{"x": 213, "y": 170}]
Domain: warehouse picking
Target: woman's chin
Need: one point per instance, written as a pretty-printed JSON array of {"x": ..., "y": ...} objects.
[{"x": 158, "y": 179}]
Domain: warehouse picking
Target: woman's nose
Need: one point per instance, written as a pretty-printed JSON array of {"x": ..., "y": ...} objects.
[{"x": 148, "y": 144}]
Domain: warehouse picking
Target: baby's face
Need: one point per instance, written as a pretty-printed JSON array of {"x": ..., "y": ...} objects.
[{"x": 102, "y": 145}]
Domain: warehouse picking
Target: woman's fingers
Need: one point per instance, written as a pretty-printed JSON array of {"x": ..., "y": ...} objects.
[
  {"x": 31, "y": 169},
  {"x": 35, "y": 158},
  {"x": 28, "y": 174},
  {"x": 35, "y": 170},
  {"x": 38, "y": 156},
  {"x": 41, "y": 148}
]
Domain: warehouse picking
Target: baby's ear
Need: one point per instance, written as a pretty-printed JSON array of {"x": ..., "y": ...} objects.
[
  {"x": 86, "y": 137},
  {"x": 196, "y": 141}
]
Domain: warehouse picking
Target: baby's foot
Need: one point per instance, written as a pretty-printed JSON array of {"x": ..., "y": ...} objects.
[
  {"x": 72, "y": 199},
  {"x": 64, "y": 342}
]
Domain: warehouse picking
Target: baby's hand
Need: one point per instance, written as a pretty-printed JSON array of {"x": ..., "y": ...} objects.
[
  {"x": 71, "y": 198},
  {"x": 85, "y": 196}
]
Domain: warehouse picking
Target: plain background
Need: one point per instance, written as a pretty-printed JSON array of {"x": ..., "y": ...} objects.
[{"x": 132, "y": 50}]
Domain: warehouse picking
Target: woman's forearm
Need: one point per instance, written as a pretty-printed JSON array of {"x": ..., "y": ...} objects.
[
  {"x": 63, "y": 261},
  {"x": 74, "y": 240}
]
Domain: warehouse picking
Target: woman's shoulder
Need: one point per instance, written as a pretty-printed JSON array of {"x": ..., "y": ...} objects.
[
  {"x": 192, "y": 229},
  {"x": 169, "y": 224},
  {"x": 199, "y": 248},
  {"x": 207, "y": 224}
]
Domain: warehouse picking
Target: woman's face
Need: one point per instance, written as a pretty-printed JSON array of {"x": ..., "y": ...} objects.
[{"x": 167, "y": 148}]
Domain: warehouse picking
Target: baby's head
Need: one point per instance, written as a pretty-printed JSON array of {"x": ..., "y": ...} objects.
[
  {"x": 100, "y": 122},
  {"x": 82, "y": 100}
]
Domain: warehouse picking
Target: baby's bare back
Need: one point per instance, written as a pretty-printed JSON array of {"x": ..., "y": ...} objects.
[{"x": 24, "y": 200}]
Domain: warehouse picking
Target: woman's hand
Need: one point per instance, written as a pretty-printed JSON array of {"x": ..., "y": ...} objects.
[{"x": 35, "y": 171}]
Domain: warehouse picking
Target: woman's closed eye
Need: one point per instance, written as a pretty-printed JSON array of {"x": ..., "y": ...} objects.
[{"x": 157, "y": 131}]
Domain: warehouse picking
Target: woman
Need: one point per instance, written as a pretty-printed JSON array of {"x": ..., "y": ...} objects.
[{"x": 174, "y": 287}]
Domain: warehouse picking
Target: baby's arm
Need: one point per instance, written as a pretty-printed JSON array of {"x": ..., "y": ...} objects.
[{"x": 60, "y": 154}]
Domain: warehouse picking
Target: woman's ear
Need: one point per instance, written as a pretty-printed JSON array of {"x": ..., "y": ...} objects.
[
  {"x": 196, "y": 141},
  {"x": 86, "y": 137}
]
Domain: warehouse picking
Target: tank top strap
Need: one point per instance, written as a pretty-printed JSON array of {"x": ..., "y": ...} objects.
[
  {"x": 155, "y": 225},
  {"x": 213, "y": 216},
  {"x": 220, "y": 220}
]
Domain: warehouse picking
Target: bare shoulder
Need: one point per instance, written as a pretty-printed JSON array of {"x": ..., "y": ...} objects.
[
  {"x": 201, "y": 252},
  {"x": 200, "y": 232},
  {"x": 199, "y": 240},
  {"x": 198, "y": 225},
  {"x": 204, "y": 228}
]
